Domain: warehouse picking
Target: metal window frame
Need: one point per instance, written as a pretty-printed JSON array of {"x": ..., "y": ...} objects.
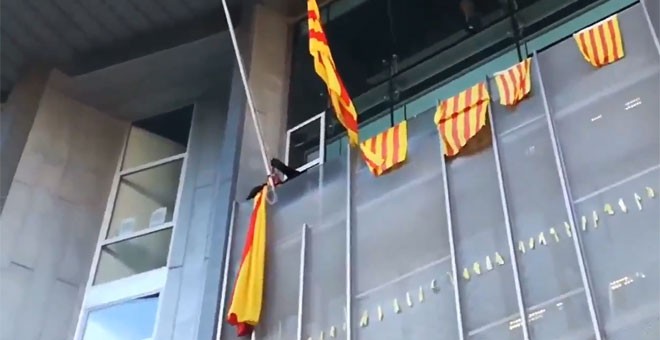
[
  {"x": 148, "y": 283},
  {"x": 321, "y": 158}
]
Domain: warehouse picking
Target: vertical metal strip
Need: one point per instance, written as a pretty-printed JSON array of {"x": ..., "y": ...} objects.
[
  {"x": 452, "y": 249},
  {"x": 647, "y": 16},
  {"x": 349, "y": 242},
  {"x": 225, "y": 272},
  {"x": 507, "y": 223},
  {"x": 568, "y": 203},
  {"x": 301, "y": 281}
]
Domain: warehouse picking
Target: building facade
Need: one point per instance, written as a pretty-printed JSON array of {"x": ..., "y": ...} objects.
[{"x": 125, "y": 215}]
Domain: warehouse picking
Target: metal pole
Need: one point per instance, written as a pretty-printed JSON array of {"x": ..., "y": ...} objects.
[
  {"x": 248, "y": 94},
  {"x": 452, "y": 250},
  {"x": 507, "y": 224},
  {"x": 301, "y": 281},
  {"x": 349, "y": 242},
  {"x": 225, "y": 275},
  {"x": 568, "y": 203}
]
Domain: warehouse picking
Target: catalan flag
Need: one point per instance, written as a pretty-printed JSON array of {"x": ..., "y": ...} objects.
[
  {"x": 387, "y": 149},
  {"x": 601, "y": 43},
  {"x": 324, "y": 65},
  {"x": 245, "y": 307},
  {"x": 459, "y": 118},
  {"x": 514, "y": 83}
]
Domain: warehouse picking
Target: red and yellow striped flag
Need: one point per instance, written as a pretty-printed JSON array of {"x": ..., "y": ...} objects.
[
  {"x": 460, "y": 117},
  {"x": 387, "y": 149},
  {"x": 324, "y": 65},
  {"x": 247, "y": 299},
  {"x": 601, "y": 44},
  {"x": 514, "y": 83}
]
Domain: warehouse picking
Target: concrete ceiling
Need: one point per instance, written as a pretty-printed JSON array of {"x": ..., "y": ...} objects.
[
  {"x": 155, "y": 83},
  {"x": 79, "y": 36}
]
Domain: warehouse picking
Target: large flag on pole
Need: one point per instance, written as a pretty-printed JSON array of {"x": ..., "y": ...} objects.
[
  {"x": 387, "y": 149},
  {"x": 514, "y": 83},
  {"x": 460, "y": 117},
  {"x": 325, "y": 67},
  {"x": 601, "y": 44},
  {"x": 247, "y": 299}
]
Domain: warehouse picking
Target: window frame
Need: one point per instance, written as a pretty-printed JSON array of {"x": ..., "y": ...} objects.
[{"x": 98, "y": 296}]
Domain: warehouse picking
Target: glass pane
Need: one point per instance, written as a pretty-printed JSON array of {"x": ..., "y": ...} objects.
[
  {"x": 402, "y": 249},
  {"x": 145, "y": 199},
  {"x": 158, "y": 137},
  {"x": 317, "y": 198},
  {"x": 133, "y": 256},
  {"x": 132, "y": 320},
  {"x": 487, "y": 296},
  {"x": 280, "y": 312},
  {"x": 304, "y": 144},
  {"x": 608, "y": 128},
  {"x": 536, "y": 204},
  {"x": 325, "y": 268}
]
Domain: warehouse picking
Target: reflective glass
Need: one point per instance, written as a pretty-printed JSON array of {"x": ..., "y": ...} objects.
[
  {"x": 133, "y": 256},
  {"x": 608, "y": 127},
  {"x": 401, "y": 247},
  {"x": 145, "y": 199},
  {"x": 158, "y": 137},
  {"x": 131, "y": 320}
]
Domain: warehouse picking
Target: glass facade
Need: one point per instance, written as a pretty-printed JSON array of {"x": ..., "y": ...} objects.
[
  {"x": 129, "y": 270},
  {"x": 513, "y": 242},
  {"x": 437, "y": 59}
]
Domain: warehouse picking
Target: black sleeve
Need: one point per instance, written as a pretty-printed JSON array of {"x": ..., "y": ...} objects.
[
  {"x": 255, "y": 191},
  {"x": 285, "y": 169}
]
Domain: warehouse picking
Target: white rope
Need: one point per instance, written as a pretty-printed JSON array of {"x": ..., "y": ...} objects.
[{"x": 250, "y": 102}]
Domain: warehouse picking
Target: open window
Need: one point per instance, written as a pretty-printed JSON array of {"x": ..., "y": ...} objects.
[{"x": 305, "y": 143}]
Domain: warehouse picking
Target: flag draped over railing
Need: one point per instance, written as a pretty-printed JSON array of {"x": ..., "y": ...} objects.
[
  {"x": 514, "y": 83},
  {"x": 459, "y": 118},
  {"x": 325, "y": 67},
  {"x": 601, "y": 44},
  {"x": 247, "y": 299},
  {"x": 386, "y": 150}
]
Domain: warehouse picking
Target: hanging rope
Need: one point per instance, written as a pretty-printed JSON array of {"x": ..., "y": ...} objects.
[{"x": 271, "y": 197}]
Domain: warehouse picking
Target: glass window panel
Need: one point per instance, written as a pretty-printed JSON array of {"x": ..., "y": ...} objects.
[
  {"x": 610, "y": 140},
  {"x": 325, "y": 281},
  {"x": 563, "y": 317},
  {"x": 478, "y": 224},
  {"x": 536, "y": 204},
  {"x": 318, "y": 199},
  {"x": 132, "y": 320},
  {"x": 133, "y": 256},
  {"x": 611, "y": 149},
  {"x": 158, "y": 137},
  {"x": 325, "y": 264},
  {"x": 572, "y": 83},
  {"x": 145, "y": 199},
  {"x": 304, "y": 144},
  {"x": 402, "y": 246},
  {"x": 432, "y": 318},
  {"x": 280, "y": 312}
]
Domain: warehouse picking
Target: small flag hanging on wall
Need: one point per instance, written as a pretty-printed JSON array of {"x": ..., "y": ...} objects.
[
  {"x": 387, "y": 149},
  {"x": 459, "y": 118},
  {"x": 601, "y": 44},
  {"x": 514, "y": 83},
  {"x": 247, "y": 298}
]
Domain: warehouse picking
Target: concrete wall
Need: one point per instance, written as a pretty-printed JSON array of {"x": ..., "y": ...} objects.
[
  {"x": 189, "y": 299},
  {"x": 16, "y": 120},
  {"x": 269, "y": 69},
  {"x": 52, "y": 218}
]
